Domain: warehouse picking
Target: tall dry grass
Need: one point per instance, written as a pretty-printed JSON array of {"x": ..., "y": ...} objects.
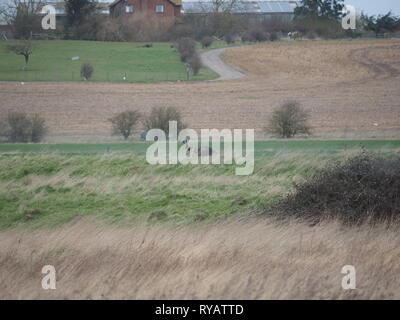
[{"x": 252, "y": 258}]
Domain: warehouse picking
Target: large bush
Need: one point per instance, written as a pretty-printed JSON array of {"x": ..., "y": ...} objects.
[
  {"x": 38, "y": 128},
  {"x": 124, "y": 123},
  {"x": 195, "y": 63},
  {"x": 140, "y": 27},
  {"x": 321, "y": 26},
  {"x": 146, "y": 27},
  {"x": 20, "y": 127},
  {"x": 364, "y": 188},
  {"x": 206, "y": 41},
  {"x": 159, "y": 119},
  {"x": 87, "y": 70},
  {"x": 186, "y": 48},
  {"x": 258, "y": 35},
  {"x": 229, "y": 39},
  {"x": 289, "y": 120}
]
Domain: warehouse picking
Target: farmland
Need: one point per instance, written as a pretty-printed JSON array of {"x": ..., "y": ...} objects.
[
  {"x": 116, "y": 227},
  {"x": 51, "y": 61},
  {"x": 351, "y": 91}
]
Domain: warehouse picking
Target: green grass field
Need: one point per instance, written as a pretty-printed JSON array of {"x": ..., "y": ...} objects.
[
  {"x": 48, "y": 185},
  {"x": 51, "y": 61},
  {"x": 261, "y": 147}
]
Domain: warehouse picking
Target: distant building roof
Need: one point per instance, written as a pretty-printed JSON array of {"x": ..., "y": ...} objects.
[{"x": 243, "y": 6}]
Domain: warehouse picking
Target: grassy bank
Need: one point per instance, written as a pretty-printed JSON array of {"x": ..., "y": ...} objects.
[
  {"x": 51, "y": 61},
  {"x": 51, "y": 188}
]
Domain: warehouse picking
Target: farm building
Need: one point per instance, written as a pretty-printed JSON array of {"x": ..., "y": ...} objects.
[
  {"x": 171, "y": 8},
  {"x": 59, "y": 5},
  {"x": 163, "y": 8},
  {"x": 262, "y": 8}
]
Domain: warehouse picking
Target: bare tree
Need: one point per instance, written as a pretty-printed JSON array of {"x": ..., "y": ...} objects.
[
  {"x": 21, "y": 127},
  {"x": 22, "y": 48},
  {"x": 159, "y": 118},
  {"x": 221, "y": 15},
  {"x": 124, "y": 123},
  {"x": 288, "y": 120},
  {"x": 224, "y": 6},
  {"x": 23, "y": 15}
]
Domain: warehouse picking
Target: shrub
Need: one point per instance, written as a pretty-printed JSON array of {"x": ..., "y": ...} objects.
[
  {"x": 19, "y": 127},
  {"x": 289, "y": 120},
  {"x": 124, "y": 123},
  {"x": 110, "y": 30},
  {"x": 246, "y": 37},
  {"x": 277, "y": 24},
  {"x": 363, "y": 188},
  {"x": 323, "y": 27},
  {"x": 273, "y": 36},
  {"x": 311, "y": 35},
  {"x": 159, "y": 119},
  {"x": 258, "y": 35},
  {"x": 38, "y": 129},
  {"x": 229, "y": 39},
  {"x": 195, "y": 63},
  {"x": 186, "y": 48},
  {"x": 87, "y": 70},
  {"x": 206, "y": 42},
  {"x": 146, "y": 27}
]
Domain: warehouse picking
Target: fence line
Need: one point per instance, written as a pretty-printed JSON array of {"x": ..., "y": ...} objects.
[{"x": 104, "y": 76}]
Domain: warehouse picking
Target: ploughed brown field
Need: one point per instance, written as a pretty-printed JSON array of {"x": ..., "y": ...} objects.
[{"x": 351, "y": 88}]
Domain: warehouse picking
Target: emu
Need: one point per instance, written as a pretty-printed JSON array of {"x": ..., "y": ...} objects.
[{"x": 200, "y": 151}]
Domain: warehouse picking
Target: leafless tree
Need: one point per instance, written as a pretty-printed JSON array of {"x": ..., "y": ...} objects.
[
  {"x": 22, "y": 48},
  {"x": 124, "y": 123},
  {"x": 221, "y": 14}
]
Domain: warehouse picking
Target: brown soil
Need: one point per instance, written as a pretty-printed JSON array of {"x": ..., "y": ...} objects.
[{"x": 351, "y": 88}]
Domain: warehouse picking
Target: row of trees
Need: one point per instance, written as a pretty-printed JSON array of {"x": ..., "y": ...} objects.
[{"x": 83, "y": 21}]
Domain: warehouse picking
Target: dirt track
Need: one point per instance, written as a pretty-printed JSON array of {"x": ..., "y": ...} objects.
[
  {"x": 212, "y": 59},
  {"x": 351, "y": 88}
]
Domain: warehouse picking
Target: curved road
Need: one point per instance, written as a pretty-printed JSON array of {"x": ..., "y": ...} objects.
[{"x": 212, "y": 60}]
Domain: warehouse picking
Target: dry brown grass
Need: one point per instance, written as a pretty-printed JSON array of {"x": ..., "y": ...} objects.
[
  {"x": 253, "y": 258},
  {"x": 349, "y": 86}
]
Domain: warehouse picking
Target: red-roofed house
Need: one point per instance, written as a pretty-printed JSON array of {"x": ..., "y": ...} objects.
[{"x": 127, "y": 8}]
